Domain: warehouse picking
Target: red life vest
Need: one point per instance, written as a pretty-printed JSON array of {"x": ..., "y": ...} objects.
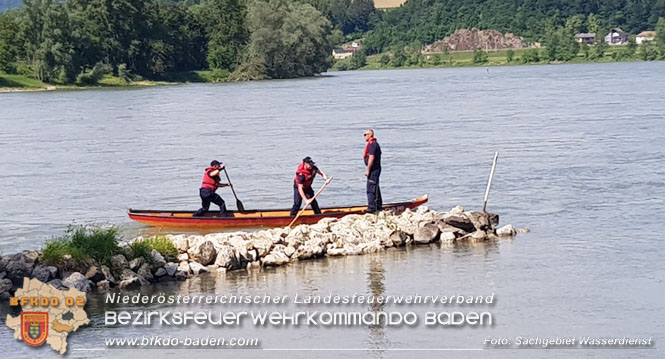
[
  {"x": 365, "y": 154},
  {"x": 210, "y": 182},
  {"x": 308, "y": 174}
]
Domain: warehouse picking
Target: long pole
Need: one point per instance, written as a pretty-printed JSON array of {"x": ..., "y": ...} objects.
[
  {"x": 311, "y": 200},
  {"x": 489, "y": 182}
]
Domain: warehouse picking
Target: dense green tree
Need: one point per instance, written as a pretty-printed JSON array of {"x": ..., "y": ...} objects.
[
  {"x": 510, "y": 55},
  {"x": 224, "y": 23},
  {"x": 288, "y": 39},
  {"x": 358, "y": 60},
  {"x": 599, "y": 47},
  {"x": 399, "y": 57},
  {"x": 48, "y": 45},
  {"x": 10, "y": 42},
  {"x": 560, "y": 40},
  {"x": 480, "y": 56},
  {"x": 660, "y": 31},
  {"x": 348, "y": 16}
]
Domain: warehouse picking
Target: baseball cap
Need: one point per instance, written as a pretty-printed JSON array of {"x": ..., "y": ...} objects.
[{"x": 308, "y": 160}]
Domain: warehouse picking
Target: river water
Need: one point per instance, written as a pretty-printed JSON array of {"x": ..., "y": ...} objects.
[{"x": 581, "y": 159}]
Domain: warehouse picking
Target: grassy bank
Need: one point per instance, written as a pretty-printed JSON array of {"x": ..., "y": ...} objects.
[
  {"x": 493, "y": 58},
  {"x": 18, "y": 83}
]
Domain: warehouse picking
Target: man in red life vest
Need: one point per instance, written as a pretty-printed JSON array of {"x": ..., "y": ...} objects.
[
  {"x": 302, "y": 185},
  {"x": 211, "y": 181},
  {"x": 372, "y": 158}
]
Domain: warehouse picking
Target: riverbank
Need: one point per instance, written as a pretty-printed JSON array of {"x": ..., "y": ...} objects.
[
  {"x": 92, "y": 261},
  {"x": 21, "y": 83},
  {"x": 507, "y": 57}
]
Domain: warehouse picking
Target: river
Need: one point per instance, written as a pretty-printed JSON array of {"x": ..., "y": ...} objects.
[{"x": 581, "y": 159}]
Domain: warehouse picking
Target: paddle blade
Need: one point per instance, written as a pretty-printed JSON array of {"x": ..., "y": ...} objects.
[{"x": 239, "y": 205}]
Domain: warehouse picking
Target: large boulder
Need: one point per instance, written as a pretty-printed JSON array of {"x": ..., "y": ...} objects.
[
  {"x": 128, "y": 274},
  {"x": 95, "y": 274},
  {"x": 447, "y": 237},
  {"x": 398, "y": 238},
  {"x": 106, "y": 271},
  {"x": 5, "y": 285},
  {"x": 17, "y": 268},
  {"x": 171, "y": 268},
  {"x": 78, "y": 281},
  {"x": 158, "y": 260},
  {"x": 160, "y": 272},
  {"x": 262, "y": 244},
  {"x": 480, "y": 220},
  {"x": 506, "y": 231},
  {"x": 204, "y": 253},
  {"x": 44, "y": 273},
  {"x": 226, "y": 257},
  {"x": 460, "y": 221},
  {"x": 275, "y": 259},
  {"x": 30, "y": 257},
  {"x": 145, "y": 273},
  {"x": 184, "y": 268},
  {"x": 197, "y": 268},
  {"x": 129, "y": 284},
  {"x": 118, "y": 263},
  {"x": 181, "y": 243},
  {"x": 136, "y": 263}
]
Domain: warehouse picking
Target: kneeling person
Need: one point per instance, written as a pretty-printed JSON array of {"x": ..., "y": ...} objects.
[
  {"x": 211, "y": 181},
  {"x": 302, "y": 185}
]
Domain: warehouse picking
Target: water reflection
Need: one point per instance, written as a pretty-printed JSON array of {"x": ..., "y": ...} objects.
[{"x": 376, "y": 334}]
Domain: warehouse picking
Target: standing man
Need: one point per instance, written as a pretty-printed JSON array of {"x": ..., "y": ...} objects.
[
  {"x": 211, "y": 182},
  {"x": 302, "y": 185},
  {"x": 372, "y": 158}
]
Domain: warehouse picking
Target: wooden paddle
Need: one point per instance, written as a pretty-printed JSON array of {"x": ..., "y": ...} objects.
[
  {"x": 239, "y": 205},
  {"x": 310, "y": 202}
]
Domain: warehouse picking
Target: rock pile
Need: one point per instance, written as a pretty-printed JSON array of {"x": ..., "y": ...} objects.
[
  {"x": 219, "y": 252},
  {"x": 469, "y": 40}
]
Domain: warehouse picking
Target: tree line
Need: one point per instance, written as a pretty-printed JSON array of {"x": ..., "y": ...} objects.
[
  {"x": 426, "y": 21},
  {"x": 81, "y": 40},
  {"x": 67, "y": 41}
]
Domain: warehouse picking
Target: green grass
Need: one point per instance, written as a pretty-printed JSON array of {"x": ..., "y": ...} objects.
[
  {"x": 83, "y": 243},
  {"x": 56, "y": 249},
  {"x": 162, "y": 245},
  {"x": 140, "y": 249},
  {"x": 495, "y": 58},
  {"x": 20, "y": 81}
]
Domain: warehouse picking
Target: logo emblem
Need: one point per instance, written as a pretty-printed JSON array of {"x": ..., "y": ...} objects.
[{"x": 34, "y": 327}]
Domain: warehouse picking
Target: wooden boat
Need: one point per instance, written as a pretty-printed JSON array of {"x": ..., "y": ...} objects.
[{"x": 252, "y": 218}]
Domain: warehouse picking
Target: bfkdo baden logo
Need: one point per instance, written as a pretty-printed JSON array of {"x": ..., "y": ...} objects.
[
  {"x": 48, "y": 314},
  {"x": 34, "y": 327}
]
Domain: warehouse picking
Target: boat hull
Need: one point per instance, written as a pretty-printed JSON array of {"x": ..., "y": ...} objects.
[{"x": 252, "y": 218}]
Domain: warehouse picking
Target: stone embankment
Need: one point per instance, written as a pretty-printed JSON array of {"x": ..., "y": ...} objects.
[{"x": 221, "y": 252}]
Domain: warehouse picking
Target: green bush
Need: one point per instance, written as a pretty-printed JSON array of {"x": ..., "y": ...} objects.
[
  {"x": 24, "y": 69},
  {"x": 162, "y": 245},
  {"x": 479, "y": 56},
  {"x": 140, "y": 249},
  {"x": 56, "y": 249},
  {"x": 83, "y": 243},
  {"x": 342, "y": 65},
  {"x": 93, "y": 76}
]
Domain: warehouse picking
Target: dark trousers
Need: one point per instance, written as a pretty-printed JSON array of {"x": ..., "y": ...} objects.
[
  {"x": 208, "y": 196},
  {"x": 374, "y": 200},
  {"x": 297, "y": 200}
]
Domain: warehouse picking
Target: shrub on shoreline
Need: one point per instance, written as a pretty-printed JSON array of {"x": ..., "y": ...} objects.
[
  {"x": 83, "y": 243},
  {"x": 163, "y": 245}
]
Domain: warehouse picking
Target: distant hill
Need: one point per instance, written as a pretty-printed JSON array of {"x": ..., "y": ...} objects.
[{"x": 10, "y": 4}]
